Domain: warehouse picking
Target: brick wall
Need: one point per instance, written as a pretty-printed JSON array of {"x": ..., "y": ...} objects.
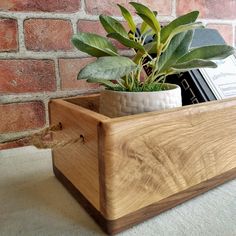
[{"x": 38, "y": 62}]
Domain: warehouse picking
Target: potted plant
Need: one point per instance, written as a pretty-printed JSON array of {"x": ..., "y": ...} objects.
[{"x": 164, "y": 50}]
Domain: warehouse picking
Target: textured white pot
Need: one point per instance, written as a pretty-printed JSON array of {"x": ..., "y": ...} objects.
[{"x": 116, "y": 104}]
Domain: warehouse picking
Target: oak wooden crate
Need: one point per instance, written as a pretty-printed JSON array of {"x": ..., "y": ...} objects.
[{"x": 125, "y": 170}]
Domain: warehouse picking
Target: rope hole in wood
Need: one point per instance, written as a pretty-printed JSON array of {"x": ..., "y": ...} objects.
[
  {"x": 82, "y": 138},
  {"x": 60, "y": 125}
]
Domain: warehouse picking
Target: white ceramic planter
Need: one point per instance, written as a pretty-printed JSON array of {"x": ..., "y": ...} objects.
[{"x": 116, "y": 104}]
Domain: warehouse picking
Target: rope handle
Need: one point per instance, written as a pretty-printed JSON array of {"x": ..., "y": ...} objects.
[
  {"x": 38, "y": 140},
  {"x": 43, "y": 138}
]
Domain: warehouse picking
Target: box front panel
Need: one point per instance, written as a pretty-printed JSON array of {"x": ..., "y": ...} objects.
[{"x": 152, "y": 157}]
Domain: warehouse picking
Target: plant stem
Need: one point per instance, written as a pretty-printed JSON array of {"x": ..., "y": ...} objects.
[
  {"x": 158, "y": 41},
  {"x": 132, "y": 81},
  {"x": 127, "y": 82},
  {"x": 119, "y": 82},
  {"x": 162, "y": 78}
]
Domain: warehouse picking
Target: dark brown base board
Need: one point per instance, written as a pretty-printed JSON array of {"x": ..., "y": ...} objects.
[
  {"x": 115, "y": 226},
  {"x": 89, "y": 208}
]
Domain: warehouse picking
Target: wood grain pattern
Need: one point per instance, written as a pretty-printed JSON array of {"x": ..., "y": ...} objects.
[
  {"x": 149, "y": 157},
  {"x": 125, "y": 222},
  {"x": 79, "y": 160},
  {"x": 132, "y": 168},
  {"x": 91, "y": 102},
  {"x": 83, "y": 201},
  {"x": 112, "y": 227}
]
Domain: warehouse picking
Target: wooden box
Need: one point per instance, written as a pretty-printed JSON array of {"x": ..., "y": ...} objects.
[{"x": 128, "y": 169}]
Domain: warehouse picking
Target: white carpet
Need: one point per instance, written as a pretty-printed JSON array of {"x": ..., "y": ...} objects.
[{"x": 33, "y": 202}]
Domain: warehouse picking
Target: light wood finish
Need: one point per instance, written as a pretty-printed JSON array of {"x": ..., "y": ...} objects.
[
  {"x": 134, "y": 167},
  {"x": 149, "y": 157},
  {"x": 125, "y": 222},
  {"x": 78, "y": 160},
  {"x": 90, "y": 102},
  {"x": 115, "y": 226}
]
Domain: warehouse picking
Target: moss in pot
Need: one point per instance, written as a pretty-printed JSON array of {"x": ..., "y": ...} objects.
[{"x": 167, "y": 53}]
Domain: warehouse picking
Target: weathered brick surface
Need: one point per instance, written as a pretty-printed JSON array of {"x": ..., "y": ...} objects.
[
  {"x": 209, "y": 8},
  {"x": 21, "y": 116},
  {"x": 69, "y": 69},
  {"x": 40, "y": 5},
  {"x": 48, "y": 34},
  {"x": 109, "y": 7},
  {"x": 32, "y": 75},
  {"x": 21, "y": 76},
  {"x": 91, "y": 26},
  {"x": 163, "y": 7},
  {"x": 225, "y": 30},
  {"x": 8, "y": 35},
  {"x": 235, "y": 37}
]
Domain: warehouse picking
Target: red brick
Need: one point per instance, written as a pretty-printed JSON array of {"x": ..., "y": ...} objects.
[
  {"x": 15, "y": 144},
  {"x": 17, "y": 117},
  {"x": 225, "y": 30},
  {"x": 22, "y": 76},
  {"x": 8, "y": 35},
  {"x": 107, "y": 7},
  {"x": 208, "y": 9},
  {"x": 69, "y": 69},
  {"x": 235, "y": 37},
  {"x": 40, "y": 5},
  {"x": 48, "y": 34},
  {"x": 163, "y": 7},
  {"x": 91, "y": 26},
  {"x": 96, "y": 27}
]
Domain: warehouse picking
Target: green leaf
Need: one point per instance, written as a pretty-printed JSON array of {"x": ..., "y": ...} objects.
[
  {"x": 128, "y": 17},
  {"x": 182, "y": 20},
  {"x": 144, "y": 26},
  {"x": 109, "y": 68},
  {"x": 151, "y": 47},
  {"x": 147, "y": 15},
  {"x": 112, "y": 25},
  {"x": 148, "y": 21},
  {"x": 178, "y": 47},
  {"x": 180, "y": 29},
  {"x": 155, "y": 13},
  {"x": 213, "y": 52},
  {"x": 126, "y": 42},
  {"x": 94, "y": 45},
  {"x": 194, "y": 64},
  {"x": 138, "y": 56},
  {"x": 104, "y": 82}
]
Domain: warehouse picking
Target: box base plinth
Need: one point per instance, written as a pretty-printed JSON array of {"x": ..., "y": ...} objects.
[
  {"x": 88, "y": 207},
  {"x": 112, "y": 227}
]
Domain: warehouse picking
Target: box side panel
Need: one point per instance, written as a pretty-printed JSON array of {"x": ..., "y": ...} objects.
[
  {"x": 161, "y": 155},
  {"x": 76, "y": 154},
  {"x": 90, "y": 102}
]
